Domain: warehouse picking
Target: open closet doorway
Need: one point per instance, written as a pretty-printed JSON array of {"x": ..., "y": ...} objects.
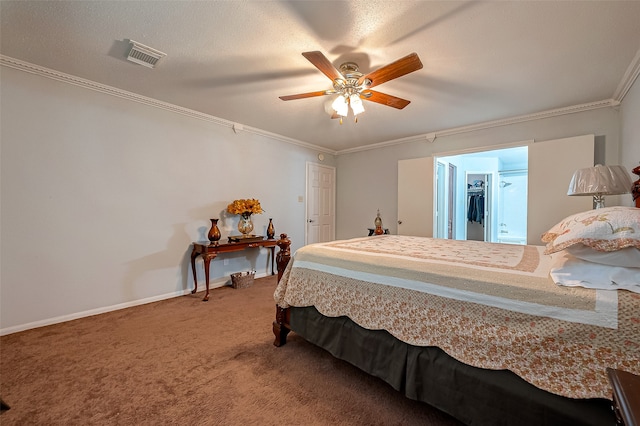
[
  {"x": 477, "y": 202},
  {"x": 486, "y": 196}
]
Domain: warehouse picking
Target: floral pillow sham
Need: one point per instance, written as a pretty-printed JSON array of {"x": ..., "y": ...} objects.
[{"x": 607, "y": 229}]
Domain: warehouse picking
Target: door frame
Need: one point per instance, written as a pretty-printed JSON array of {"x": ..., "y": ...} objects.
[
  {"x": 489, "y": 201},
  {"x": 488, "y": 197},
  {"x": 451, "y": 201}
]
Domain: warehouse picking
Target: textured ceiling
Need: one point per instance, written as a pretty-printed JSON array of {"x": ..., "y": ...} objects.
[{"x": 483, "y": 61}]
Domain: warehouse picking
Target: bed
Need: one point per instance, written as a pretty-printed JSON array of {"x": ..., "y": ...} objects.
[{"x": 479, "y": 330}]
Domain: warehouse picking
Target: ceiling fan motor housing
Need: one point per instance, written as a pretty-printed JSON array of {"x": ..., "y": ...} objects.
[
  {"x": 350, "y": 85},
  {"x": 350, "y": 70}
]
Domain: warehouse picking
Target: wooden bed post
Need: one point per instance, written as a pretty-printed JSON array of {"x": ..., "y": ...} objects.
[
  {"x": 284, "y": 254},
  {"x": 635, "y": 190},
  {"x": 281, "y": 323}
]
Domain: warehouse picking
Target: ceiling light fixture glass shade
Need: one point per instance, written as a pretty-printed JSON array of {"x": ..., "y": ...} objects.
[
  {"x": 356, "y": 104},
  {"x": 340, "y": 106},
  {"x": 599, "y": 181}
]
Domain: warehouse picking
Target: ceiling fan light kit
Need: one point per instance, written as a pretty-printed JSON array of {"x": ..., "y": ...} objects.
[
  {"x": 356, "y": 104},
  {"x": 340, "y": 106},
  {"x": 352, "y": 86}
]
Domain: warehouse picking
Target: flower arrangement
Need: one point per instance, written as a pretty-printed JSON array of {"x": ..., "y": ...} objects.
[{"x": 245, "y": 207}]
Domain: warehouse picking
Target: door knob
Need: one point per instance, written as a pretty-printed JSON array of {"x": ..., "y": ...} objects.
[
  {"x": 310, "y": 220},
  {"x": 399, "y": 222}
]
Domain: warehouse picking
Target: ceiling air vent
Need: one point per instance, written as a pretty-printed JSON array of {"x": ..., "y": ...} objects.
[{"x": 144, "y": 55}]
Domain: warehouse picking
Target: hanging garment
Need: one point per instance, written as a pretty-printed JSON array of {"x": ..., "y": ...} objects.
[
  {"x": 475, "y": 213},
  {"x": 471, "y": 212},
  {"x": 479, "y": 210}
]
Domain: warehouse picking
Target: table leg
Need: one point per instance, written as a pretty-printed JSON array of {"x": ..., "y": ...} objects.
[
  {"x": 194, "y": 254},
  {"x": 207, "y": 261},
  {"x": 273, "y": 255}
]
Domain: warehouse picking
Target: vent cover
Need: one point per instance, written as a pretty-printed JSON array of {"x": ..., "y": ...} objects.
[{"x": 144, "y": 55}]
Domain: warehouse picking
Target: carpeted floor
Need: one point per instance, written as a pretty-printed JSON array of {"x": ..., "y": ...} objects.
[{"x": 186, "y": 362}]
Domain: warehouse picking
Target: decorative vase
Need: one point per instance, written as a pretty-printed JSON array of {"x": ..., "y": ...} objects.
[
  {"x": 271, "y": 231},
  {"x": 214, "y": 232},
  {"x": 378, "y": 223},
  {"x": 245, "y": 225}
]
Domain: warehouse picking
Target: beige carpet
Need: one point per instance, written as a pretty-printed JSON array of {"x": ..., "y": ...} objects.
[{"x": 187, "y": 362}]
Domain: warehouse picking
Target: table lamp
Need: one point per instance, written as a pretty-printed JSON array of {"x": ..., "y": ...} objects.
[{"x": 599, "y": 181}]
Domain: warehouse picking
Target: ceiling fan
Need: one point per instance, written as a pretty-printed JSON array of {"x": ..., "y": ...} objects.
[{"x": 352, "y": 86}]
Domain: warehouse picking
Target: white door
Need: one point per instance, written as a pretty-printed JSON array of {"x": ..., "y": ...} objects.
[
  {"x": 321, "y": 190},
  {"x": 551, "y": 166},
  {"x": 415, "y": 197}
]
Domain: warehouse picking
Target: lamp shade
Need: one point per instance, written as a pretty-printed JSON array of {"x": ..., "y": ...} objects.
[
  {"x": 340, "y": 106},
  {"x": 600, "y": 180},
  {"x": 356, "y": 104}
]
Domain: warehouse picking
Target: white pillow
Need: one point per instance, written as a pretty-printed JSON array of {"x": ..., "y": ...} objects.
[
  {"x": 628, "y": 257},
  {"x": 570, "y": 271}
]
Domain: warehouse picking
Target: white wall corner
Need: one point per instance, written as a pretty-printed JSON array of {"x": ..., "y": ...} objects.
[
  {"x": 615, "y": 105},
  {"x": 630, "y": 76}
]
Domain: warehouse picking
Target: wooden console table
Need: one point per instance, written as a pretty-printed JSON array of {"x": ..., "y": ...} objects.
[
  {"x": 209, "y": 251},
  {"x": 373, "y": 231}
]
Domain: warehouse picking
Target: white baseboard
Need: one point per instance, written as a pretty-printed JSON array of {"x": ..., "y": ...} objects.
[{"x": 220, "y": 282}]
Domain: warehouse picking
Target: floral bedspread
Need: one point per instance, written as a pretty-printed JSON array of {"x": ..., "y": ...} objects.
[{"x": 488, "y": 305}]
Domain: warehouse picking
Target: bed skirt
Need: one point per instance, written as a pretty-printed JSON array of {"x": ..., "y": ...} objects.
[{"x": 473, "y": 395}]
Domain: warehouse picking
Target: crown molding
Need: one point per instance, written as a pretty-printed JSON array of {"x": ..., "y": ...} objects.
[
  {"x": 102, "y": 88},
  {"x": 629, "y": 78},
  {"x": 431, "y": 136},
  {"x": 632, "y": 73}
]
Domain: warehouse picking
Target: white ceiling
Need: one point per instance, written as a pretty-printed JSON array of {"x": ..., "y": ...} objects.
[{"x": 483, "y": 61}]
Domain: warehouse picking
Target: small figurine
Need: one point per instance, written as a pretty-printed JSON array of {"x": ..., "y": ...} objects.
[{"x": 378, "y": 223}]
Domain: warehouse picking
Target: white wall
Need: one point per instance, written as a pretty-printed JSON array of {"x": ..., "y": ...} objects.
[
  {"x": 377, "y": 169},
  {"x": 630, "y": 122},
  {"x": 101, "y": 198}
]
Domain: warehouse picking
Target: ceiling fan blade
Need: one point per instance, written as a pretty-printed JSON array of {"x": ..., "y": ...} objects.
[
  {"x": 403, "y": 66},
  {"x": 384, "y": 99},
  {"x": 306, "y": 95},
  {"x": 323, "y": 64}
]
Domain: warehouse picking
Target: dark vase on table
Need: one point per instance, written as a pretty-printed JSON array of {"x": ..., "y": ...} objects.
[
  {"x": 214, "y": 232},
  {"x": 271, "y": 231}
]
